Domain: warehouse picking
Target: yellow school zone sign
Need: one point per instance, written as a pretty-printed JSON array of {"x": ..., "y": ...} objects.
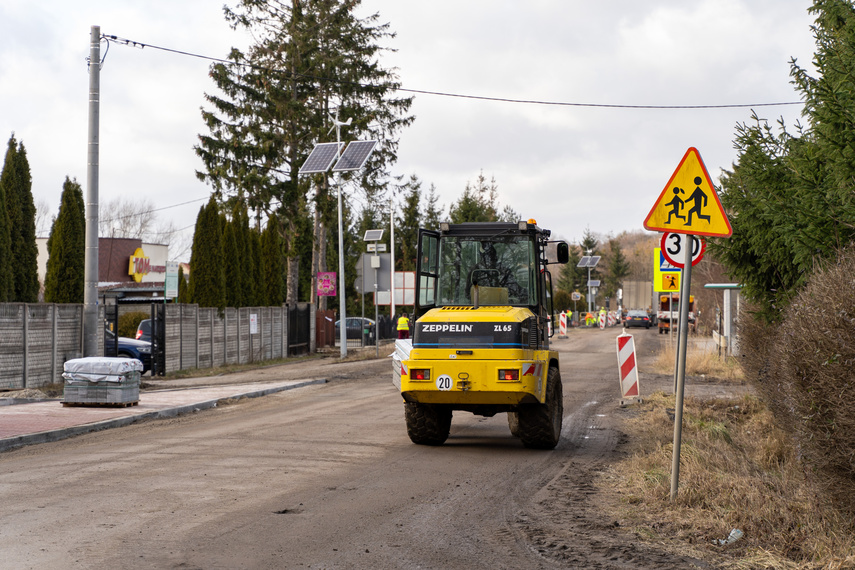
[
  {"x": 689, "y": 203},
  {"x": 666, "y": 277}
]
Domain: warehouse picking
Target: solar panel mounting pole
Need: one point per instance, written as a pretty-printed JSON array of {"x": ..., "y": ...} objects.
[
  {"x": 341, "y": 283},
  {"x": 587, "y": 260},
  {"x": 318, "y": 162}
]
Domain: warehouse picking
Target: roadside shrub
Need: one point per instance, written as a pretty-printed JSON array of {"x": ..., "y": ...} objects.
[
  {"x": 129, "y": 322},
  {"x": 805, "y": 371}
]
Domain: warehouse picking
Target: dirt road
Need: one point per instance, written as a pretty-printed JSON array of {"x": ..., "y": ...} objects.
[{"x": 325, "y": 477}]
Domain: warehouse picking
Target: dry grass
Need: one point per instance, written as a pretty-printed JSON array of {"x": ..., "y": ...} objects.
[
  {"x": 700, "y": 361},
  {"x": 737, "y": 471}
]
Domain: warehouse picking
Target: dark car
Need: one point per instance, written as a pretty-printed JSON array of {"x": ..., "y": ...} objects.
[
  {"x": 637, "y": 319},
  {"x": 144, "y": 330},
  {"x": 358, "y": 328},
  {"x": 128, "y": 348}
]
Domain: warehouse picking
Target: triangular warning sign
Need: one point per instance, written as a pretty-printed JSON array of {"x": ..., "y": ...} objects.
[{"x": 689, "y": 203}]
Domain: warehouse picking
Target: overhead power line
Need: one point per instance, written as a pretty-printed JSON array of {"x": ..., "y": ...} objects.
[
  {"x": 141, "y": 45},
  {"x": 136, "y": 214}
]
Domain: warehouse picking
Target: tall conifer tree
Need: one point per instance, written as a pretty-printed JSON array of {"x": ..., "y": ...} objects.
[
  {"x": 64, "y": 278},
  {"x": 309, "y": 57},
  {"x": 407, "y": 226},
  {"x": 790, "y": 197},
  {"x": 7, "y": 286},
  {"x": 207, "y": 277},
  {"x": 182, "y": 286},
  {"x": 17, "y": 184},
  {"x": 272, "y": 267},
  {"x": 234, "y": 297}
]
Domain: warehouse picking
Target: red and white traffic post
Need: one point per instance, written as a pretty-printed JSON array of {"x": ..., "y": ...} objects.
[{"x": 628, "y": 370}]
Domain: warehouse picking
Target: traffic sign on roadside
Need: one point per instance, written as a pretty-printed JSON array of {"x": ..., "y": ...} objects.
[
  {"x": 666, "y": 277},
  {"x": 689, "y": 203},
  {"x": 672, "y": 248}
]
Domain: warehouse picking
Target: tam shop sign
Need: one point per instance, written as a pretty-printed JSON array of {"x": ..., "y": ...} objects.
[{"x": 140, "y": 266}]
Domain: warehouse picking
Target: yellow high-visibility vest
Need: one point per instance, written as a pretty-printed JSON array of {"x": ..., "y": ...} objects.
[{"x": 403, "y": 324}]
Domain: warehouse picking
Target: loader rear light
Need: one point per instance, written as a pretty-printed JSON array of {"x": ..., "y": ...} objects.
[
  {"x": 511, "y": 374},
  {"x": 419, "y": 374}
]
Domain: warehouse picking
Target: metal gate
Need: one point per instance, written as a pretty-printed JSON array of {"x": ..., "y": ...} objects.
[
  {"x": 324, "y": 328},
  {"x": 158, "y": 339},
  {"x": 298, "y": 329},
  {"x": 111, "y": 330}
]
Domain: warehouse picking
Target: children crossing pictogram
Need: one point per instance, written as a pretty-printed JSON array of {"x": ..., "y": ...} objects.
[
  {"x": 670, "y": 282},
  {"x": 689, "y": 203},
  {"x": 676, "y": 205},
  {"x": 697, "y": 197}
]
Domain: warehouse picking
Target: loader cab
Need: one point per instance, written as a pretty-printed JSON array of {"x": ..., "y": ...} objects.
[{"x": 486, "y": 264}]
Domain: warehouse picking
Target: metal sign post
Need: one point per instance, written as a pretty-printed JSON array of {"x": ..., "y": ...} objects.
[
  {"x": 682, "y": 344},
  {"x": 687, "y": 205}
]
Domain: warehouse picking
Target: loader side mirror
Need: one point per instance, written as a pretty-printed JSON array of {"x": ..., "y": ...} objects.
[{"x": 562, "y": 251}]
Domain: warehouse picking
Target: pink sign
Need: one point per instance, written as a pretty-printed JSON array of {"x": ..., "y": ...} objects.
[{"x": 326, "y": 284}]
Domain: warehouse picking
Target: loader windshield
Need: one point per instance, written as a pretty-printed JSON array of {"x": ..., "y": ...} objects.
[{"x": 503, "y": 268}]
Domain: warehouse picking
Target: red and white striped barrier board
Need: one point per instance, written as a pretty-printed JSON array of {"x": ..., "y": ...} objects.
[
  {"x": 628, "y": 369},
  {"x": 601, "y": 320},
  {"x": 612, "y": 319},
  {"x": 562, "y": 325}
]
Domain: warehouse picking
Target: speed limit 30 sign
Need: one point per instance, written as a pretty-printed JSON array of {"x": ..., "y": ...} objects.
[{"x": 673, "y": 248}]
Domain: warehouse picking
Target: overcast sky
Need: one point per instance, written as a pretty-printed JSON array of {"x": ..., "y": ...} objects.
[{"x": 569, "y": 167}]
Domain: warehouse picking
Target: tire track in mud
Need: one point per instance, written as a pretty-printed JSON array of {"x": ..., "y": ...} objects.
[{"x": 565, "y": 523}]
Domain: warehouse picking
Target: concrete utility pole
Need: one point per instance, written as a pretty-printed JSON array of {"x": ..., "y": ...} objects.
[{"x": 90, "y": 291}]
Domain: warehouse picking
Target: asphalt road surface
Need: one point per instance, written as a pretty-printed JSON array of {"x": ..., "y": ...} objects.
[{"x": 326, "y": 477}]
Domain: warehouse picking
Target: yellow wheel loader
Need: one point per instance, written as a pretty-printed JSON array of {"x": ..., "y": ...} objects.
[{"x": 481, "y": 332}]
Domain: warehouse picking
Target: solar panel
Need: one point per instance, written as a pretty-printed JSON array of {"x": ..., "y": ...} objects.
[
  {"x": 373, "y": 235},
  {"x": 594, "y": 283},
  {"x": 320, "y": 159},
  {"x": 589, "y": 261},
  {"x": 354, "y": 156}
]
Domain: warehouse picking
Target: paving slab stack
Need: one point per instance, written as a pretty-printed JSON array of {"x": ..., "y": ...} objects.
[{"x": 102, "y": 381}]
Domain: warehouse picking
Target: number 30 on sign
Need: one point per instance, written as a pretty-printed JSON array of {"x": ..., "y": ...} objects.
[{"x": 673, "y": 248}]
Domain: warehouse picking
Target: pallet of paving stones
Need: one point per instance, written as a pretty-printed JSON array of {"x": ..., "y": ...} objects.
[
  {"x": 101, "y": 404},
  {"x": 101, "y": 381}
]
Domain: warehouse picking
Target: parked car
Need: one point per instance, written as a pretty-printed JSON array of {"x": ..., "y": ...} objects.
[
  {"x": 358, "y": 328},
  {"x": 128, "y": 348},
  {"x": 144, "y": 330},
  {"x": 637, "y": 319}
]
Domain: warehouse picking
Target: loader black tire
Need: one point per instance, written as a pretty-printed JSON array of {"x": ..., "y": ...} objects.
[
  {"x": 540, "y": 424},
  {"x": 427, "y": 424},
  {"x": 514, "y": 423}
]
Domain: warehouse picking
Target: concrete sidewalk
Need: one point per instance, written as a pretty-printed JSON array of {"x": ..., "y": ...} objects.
[{"x": 48, "y": 420}]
